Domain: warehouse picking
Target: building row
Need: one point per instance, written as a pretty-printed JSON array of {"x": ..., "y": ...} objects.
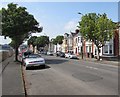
[{"x": 76, "y": 44}]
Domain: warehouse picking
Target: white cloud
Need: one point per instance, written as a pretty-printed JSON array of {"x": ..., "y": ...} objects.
[
  {"x": 70, "y": 26},
  {"x": 4, "y": 41}
]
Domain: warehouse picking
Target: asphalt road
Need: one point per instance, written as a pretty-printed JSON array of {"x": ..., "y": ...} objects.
[{"x": 72, "y": 77}]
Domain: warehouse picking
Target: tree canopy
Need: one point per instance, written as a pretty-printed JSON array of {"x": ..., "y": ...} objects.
[
  {"x": 32, "y": 41},
  {"x": 42, "y": 41},
  {"x": 18, "y": 24},
  {"x": 58, "y": 39},
  {"x": 12, "y": 44},
  {"x": 96, "y": 28}
]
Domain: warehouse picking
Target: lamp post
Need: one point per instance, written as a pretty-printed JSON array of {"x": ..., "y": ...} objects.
[
  {"x": 81, "y": 39},
  {"x": 119, "y": 38}
]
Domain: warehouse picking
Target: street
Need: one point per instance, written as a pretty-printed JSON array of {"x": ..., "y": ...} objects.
[{"x": 72, "y": 77}]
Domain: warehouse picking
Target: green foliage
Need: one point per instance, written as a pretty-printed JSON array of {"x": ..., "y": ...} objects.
[
  {"x": 18, "y": 24},
  {"x": 96, "y": 28},
  {"x": 42, "y": 41},
  {"x": 12, "y": 44},
  {"x": 54, "y": 41},
  {"x": 32, "y": 41},
  {"x": 58, "y": 39}
]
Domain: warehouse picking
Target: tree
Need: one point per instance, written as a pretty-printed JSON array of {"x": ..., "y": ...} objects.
[
  {"x": 18, "y": 24},
  {"x": 12, "y": 44},
  {"x": 32, "y": 42},
  {"x": 97, "y": 29},
  {"x": 42, "y": 41},
  {"x": 54, "y": 41},
  {"x": 58, "y": 40}
]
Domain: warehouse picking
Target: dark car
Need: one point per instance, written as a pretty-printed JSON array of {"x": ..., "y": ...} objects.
[
  {"x": 62, "y": 54},
  {"x": 58, "y": 53}
]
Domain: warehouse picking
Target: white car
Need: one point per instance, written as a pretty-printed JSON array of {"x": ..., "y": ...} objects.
[
  {"x": 71, "y": 56},
  {"x": 34, "y": 60},
  {"x": 50, "y": 53}
]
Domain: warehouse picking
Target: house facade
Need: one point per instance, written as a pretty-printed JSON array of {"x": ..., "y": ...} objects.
[{"x": 75, "y": 43}]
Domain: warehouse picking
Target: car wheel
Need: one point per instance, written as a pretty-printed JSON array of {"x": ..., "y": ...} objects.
[{"x": 26, "y": 68}]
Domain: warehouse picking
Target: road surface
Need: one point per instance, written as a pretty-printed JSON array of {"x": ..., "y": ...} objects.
[{"x": 72, "y": 77}]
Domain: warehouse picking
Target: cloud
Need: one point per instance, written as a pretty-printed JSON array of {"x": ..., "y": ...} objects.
[
  {"x": 4, "y": 41},
  {"x": 70, "y": 26}
]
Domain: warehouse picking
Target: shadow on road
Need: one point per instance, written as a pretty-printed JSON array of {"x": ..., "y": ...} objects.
[
  {"x": 38, "y": 68},
  {"x": 55, "y": 61}
]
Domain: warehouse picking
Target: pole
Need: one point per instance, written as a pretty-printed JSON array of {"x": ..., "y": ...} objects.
[
  {"x": 82, "y": 47},
  {"x": 81, "y": 38}
]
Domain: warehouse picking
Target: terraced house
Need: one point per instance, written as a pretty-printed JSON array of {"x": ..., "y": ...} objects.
[{"x": 75, "y": 43}]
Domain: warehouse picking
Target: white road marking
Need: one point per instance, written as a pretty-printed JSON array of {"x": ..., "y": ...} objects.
[{"x": 91, "y": 67}]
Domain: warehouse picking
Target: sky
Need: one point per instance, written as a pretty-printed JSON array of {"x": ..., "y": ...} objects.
[{"x": 58, "y": 18}]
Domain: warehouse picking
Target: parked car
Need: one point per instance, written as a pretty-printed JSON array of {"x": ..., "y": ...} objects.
[
  {"x": 43, "y": 52},
  {"x": 70, "y": 55},
  {"x": 24, "y": 54},
  {"x": 34, "y": 60},
  {"x": 50, "y": 53},
  {"x": 62, "y": 54},
  {"x": 58, "y": 53}
]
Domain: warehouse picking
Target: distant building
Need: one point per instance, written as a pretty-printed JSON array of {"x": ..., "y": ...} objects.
[
  {"x": 51, "y": 46},
  {"x": 65, "y": 43},
  {"x": 77, "y": 43}
]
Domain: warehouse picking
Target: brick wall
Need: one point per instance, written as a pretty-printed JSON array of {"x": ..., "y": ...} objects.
[{"x": 116, "y": 43}]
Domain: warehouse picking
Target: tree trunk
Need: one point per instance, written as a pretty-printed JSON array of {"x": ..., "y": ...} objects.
[{"x": 16, "y": 53}]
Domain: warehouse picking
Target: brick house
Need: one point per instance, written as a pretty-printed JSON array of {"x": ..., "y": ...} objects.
[{"x": 116, "y": 43}]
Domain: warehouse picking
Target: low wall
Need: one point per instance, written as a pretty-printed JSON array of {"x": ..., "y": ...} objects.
[{"x": 5, "y": 54}]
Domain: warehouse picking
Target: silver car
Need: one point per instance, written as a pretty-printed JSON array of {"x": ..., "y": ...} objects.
[{"x": 34, "y": 60}]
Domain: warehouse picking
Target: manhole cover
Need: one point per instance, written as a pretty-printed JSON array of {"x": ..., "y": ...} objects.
[{"x": 86, "y": 77}]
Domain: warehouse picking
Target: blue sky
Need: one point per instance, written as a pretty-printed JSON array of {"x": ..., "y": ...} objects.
[{"x": 58, "y": 18}]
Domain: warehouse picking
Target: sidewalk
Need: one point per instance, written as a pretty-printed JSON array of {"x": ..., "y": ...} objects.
[
  {"x": 101, "y": 61},
  {"x": 12, "y": 82}
]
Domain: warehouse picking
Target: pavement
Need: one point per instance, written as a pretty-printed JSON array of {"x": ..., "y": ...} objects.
[
  {"x": 116, "y": 63},
  {"x": 11, "y": 75}
]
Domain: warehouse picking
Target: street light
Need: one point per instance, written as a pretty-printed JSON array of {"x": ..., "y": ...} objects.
[{"x": 81, "y": 39}]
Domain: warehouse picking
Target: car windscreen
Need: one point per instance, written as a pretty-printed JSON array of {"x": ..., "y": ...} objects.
[
  {"x": 33, "y": 56},
  {"x": 27, "y": 53}
]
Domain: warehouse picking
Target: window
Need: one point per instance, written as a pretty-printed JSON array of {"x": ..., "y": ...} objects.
[
  {"x": 79, "y": 40},
  {"x": 79, "y": 49},
  {"x": 95, "y": 51},
  {"x": 90, "y": 49},
  {"x": 106, "y": 49},
  {"x": 110, "y": 50},
  {"x": 87, "y": 50}
]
